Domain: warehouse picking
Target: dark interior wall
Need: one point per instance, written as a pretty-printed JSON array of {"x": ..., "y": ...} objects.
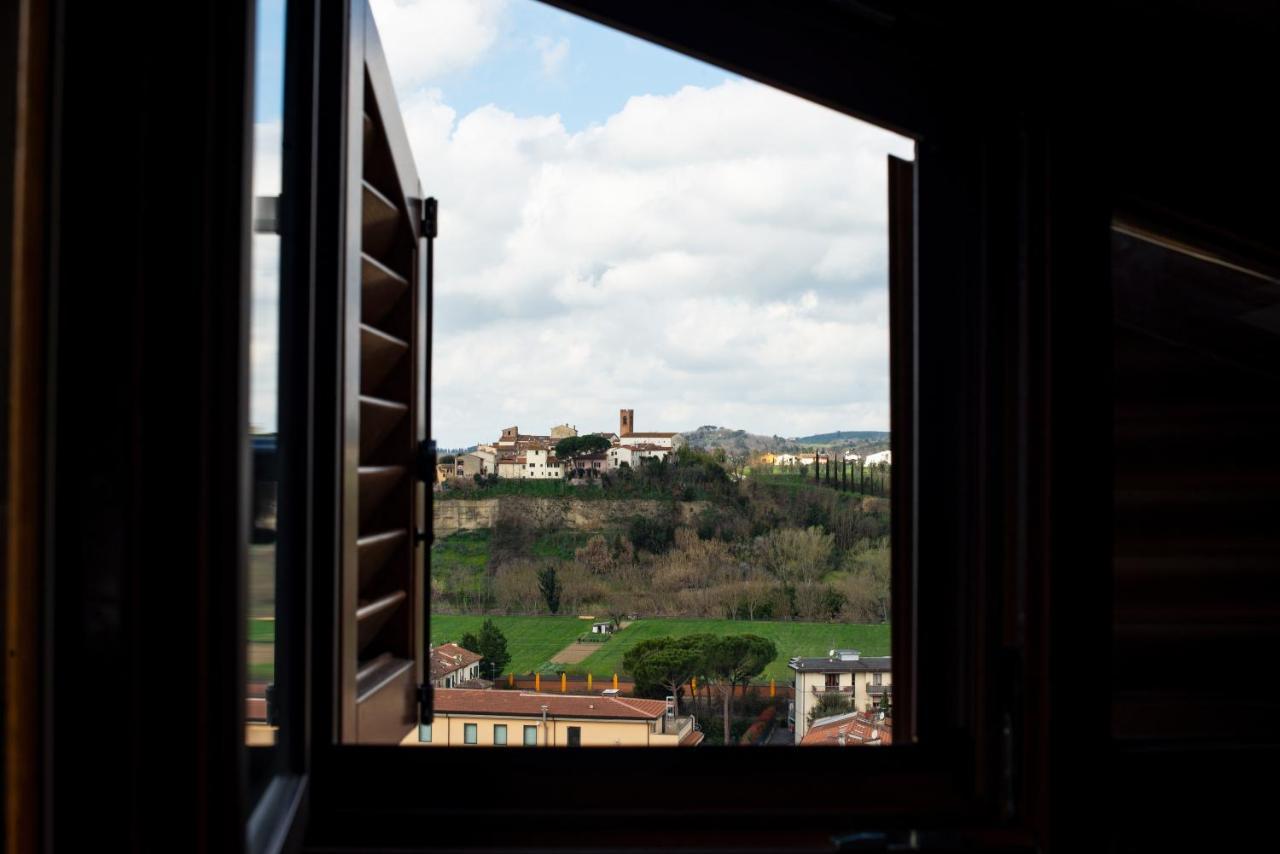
[
  {"x": 148, "y": 233},
  {"x": 8, "y": 91}
]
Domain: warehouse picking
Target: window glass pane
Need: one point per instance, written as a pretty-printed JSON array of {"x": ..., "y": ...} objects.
[
  {"x": 499, "y": 733},
  {"x": 698, "y": 456},
  {"x": 262, "y": 711},
  {"x": 530, "y": 736},
  {"x": 469, "y": 733}
]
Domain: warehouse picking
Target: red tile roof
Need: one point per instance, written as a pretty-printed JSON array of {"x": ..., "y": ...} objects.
[
  {"x": 528, "y": 704},
  {"x": 448, "y": 657},
  {"x": 850, "y": 730}
]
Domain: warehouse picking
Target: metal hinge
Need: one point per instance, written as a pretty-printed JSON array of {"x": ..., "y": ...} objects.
[
  {"x": 430, "y": 220},
  {"x": 427, "y": 461},
  {"x": 425, "y": 699}
]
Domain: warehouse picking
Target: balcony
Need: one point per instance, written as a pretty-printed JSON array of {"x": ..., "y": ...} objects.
[
  {"x": 832, "y": 689},
  {"x": 674, "y": 732}
]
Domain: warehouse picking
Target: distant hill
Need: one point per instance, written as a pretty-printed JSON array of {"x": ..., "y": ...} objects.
[
  {"x": 709, "y": 437},
  {"x": 843, "y": 436}
]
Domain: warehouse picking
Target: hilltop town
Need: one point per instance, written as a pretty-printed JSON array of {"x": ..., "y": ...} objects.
[
  {"x": 517, "y": 455},
  {"x": 556, "y": 456}
]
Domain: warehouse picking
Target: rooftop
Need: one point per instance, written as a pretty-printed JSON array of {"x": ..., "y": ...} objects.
[
  {"x": 523, "y": 703},
  {"x": 835, "y": 664},
  {"x": 448, "y": 657},
  {"x": 850, "y": 729}
]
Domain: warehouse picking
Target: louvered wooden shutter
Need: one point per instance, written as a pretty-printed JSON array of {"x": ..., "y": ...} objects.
[{"x": 383, "y": 370}]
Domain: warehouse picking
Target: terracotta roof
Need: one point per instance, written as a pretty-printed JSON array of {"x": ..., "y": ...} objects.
[
  {"x": 448, "y": 657},
  {"x": 528, "y": 704},
  {"x": 849, "y": 730}
]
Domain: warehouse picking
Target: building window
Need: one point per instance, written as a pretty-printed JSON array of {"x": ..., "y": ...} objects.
[
  {"x": 469, "y": 733},
  {"x": 875, "y": 678},
  {"x": 499, "y": 734},
  {"x": 833, "y": 680},
  {"x": 424, "y": 733},
  {"x": 575, "y": 736},
  {"x": 530, "y": 736}
]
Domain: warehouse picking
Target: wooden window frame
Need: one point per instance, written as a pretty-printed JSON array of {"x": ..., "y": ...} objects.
[{"x": 946, "y": 767}]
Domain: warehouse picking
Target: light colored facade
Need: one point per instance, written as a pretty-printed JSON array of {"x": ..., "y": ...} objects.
[
  {"x": 661, "y": 440},
  {"x": 476, "y": 462},
  {"x": 596, "y": 463},
  {"x": 498, "y": 718},
  {"x": 879, "y": 457},
  {"x": 866, "y": 681},
  {"x": 619, "y": 455},
  {"x": 650, "y": 452},
  {"x": 563, "y": 431},
  {"x": 540, "y": 464},
  {"x": 451, "y": 665},
  {"x": 536, "y": 463}
]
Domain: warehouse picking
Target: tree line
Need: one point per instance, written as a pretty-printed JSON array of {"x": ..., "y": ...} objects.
[{"x": 667, "y": 664}]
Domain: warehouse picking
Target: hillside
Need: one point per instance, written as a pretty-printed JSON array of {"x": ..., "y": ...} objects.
[
  {"x": 845, "y": 437},
  {"x": 709, "y": 437}
]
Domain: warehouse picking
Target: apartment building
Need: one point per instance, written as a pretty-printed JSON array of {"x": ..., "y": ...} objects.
[{"x": 867, "y": 682}]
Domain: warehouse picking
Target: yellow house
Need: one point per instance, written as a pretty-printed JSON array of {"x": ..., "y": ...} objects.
[
  {"x": 494, "y": 718},
  {"x": 767, "y": 459}
]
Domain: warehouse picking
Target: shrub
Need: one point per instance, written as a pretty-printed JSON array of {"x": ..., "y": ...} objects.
[{"x": 754, "y": 733}]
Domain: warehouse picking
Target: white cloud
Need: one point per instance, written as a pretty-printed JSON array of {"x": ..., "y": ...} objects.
[
  {"x": 423, "y": 39},
  {"x": 552, "y": 54},
  {"x": 714, "y": 256}
]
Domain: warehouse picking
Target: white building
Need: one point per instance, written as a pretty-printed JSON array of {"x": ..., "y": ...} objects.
[
  {"x": 628, "y": 436},
  {"x": 634, "y": 455},
  {"x": 476, "y": 462},
  {"x": 885, "y": 457},
  {"x": 864, "y": 681},
  {"x": 619, "y": 455},
  {"x": 533, "y": 464}
]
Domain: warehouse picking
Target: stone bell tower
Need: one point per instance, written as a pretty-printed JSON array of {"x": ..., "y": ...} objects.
[{"x": 626, "y": 421}]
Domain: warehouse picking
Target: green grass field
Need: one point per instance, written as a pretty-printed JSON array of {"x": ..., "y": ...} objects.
[
  {"x": 530, "y": 640},
  {"x": 806, "y": 639}
]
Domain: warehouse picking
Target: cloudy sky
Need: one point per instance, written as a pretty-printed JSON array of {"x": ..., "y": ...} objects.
[{"x": 621, "y": 226}]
